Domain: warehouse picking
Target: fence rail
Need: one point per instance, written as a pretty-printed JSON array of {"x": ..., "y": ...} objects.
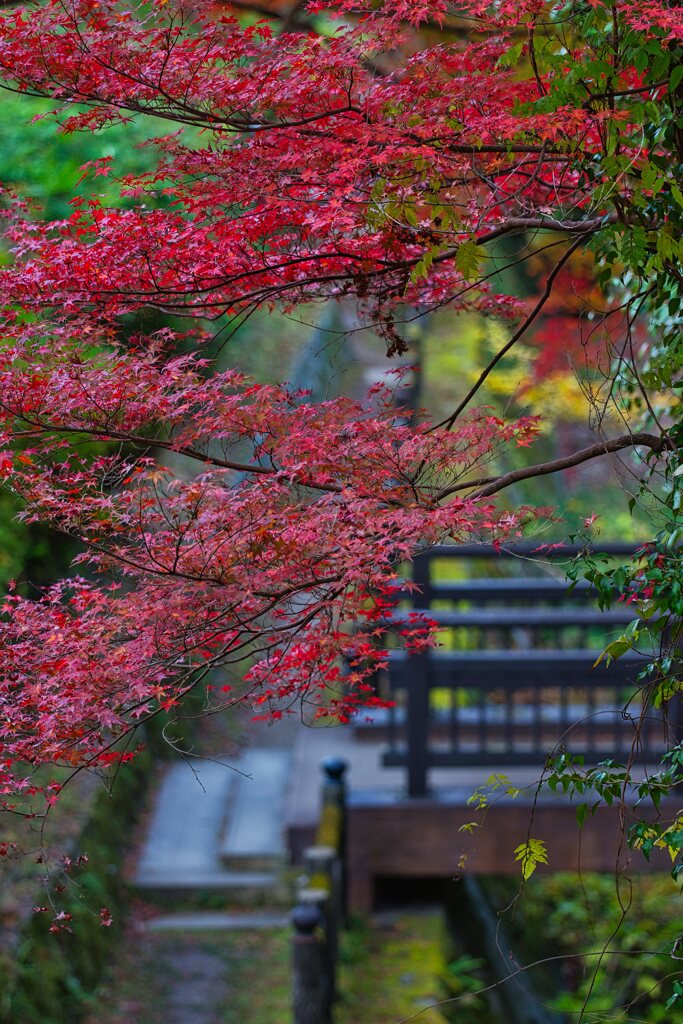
[{"x": 514, "y": 679}]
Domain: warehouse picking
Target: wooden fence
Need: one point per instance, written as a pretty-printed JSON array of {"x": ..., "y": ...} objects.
[
  {"x": 514, "y": 679},
  {"x": 321, "y": 906}
]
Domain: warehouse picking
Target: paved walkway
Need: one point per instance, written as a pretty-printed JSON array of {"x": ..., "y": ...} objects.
[{"x": 218, "y": 826}]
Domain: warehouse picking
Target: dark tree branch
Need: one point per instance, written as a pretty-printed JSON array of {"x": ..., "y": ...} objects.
[
  {"x": 448, "y": 423},
  {"x": 494, "y": 484}
]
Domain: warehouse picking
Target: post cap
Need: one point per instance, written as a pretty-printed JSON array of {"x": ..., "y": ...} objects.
[
  {"x": 334, "y": 768},
  {"x": 306, "y": 918}
]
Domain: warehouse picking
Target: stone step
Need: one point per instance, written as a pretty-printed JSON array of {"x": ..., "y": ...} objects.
[
  {"x": 214, "y": 881},
  {"x": 183, "y": 834},
  {"x": 253, "y": 838},
  {"x": 208, "y": 921},
  {"x": 246, "y": 889}
]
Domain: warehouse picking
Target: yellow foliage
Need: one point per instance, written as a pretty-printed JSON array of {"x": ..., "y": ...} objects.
[{"x": 559, "y": 397}]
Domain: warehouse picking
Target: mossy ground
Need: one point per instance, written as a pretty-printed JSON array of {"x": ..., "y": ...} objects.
[
  {"x": 391, "y": 970},
  {"x": 197, "y": 978},
  {"x": 388, "y": 972}
]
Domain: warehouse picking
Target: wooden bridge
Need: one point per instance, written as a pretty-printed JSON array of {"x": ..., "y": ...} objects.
[{"x": 512, "y": 683}]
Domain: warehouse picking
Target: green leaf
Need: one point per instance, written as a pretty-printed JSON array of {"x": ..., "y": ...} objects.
[
  {"x": 640, "y": 59},
  {"x": 614, "y": 650},
  {"x": 468, "y": 258},
  {"x": 531, "y": 853},
  {"x": 677, "y": 994},
  {"x": 410, "y": 215},
  {"x": 510, "y": 58},
  {"x": 676, "y": 77}
]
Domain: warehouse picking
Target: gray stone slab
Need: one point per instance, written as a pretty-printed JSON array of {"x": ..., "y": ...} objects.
[
  {"x": 254, "y": 833},
  {"x": 208, "y": 921},
  {"x": 218, "y": 880},
  {"x": 184, "y": 832}
]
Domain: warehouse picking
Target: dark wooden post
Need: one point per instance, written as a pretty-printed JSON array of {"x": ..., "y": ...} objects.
[
  {"x": 334, "y": 783},
  {"x": 418, "y": 723},
  {"x": 334, "y": 793},
  {"x": 320, "y": 899},
  {"x": 309, "y": 996},
  {"x": 418, "y": 692},
  {"x": 422, "y": 576},
  {"x": 323, "y": 868}
]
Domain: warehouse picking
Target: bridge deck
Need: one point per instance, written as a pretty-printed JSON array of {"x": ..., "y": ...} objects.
[{"x": 392, "y": 836}]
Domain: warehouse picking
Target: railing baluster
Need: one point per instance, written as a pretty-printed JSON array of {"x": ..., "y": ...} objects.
[
  {"x": 536, "y": 725},
  {"x": 509, "y": 720},
  {"x": 418, "y": 724},
  {"x": 618, "y": 725},
  {"x": 453, "y": 721},
  {"x": 481, "y": 707},
  {"x": 564, "y": 714},
  {"x": 392, "y": 724},
  {"x": 645, "y": 730},
  {"x": 591, "y": 722}
]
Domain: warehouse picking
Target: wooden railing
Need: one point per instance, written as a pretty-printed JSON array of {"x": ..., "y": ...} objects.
[
  {"x": 321, "y": 906},
  {"x": 514, "y": 679}
]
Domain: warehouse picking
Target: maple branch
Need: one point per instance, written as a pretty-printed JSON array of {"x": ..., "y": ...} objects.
[
  {"x": 163, "y": 297},
  {"x": 491, "y": 485},
  {"x": 534, "y": 63},
  {"x": 649, "y": 87},
  {"x": 450, "y": 421},
  {"x": 106, "y": 434},
  {"x": 581, "y": 227}
]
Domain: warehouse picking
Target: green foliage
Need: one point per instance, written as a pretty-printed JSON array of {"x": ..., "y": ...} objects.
[
  {"x": 468, "y": 259},
  {"x": 391, "y": 971},
  {"x": 635, "y": 184},
  {"x": 617, "y": 938},
  {"x": 45, "y": 165},
  {"x": 496, "y": 785},
  {"x": 14, "y": 540},
  {"x": 463, "y": 979},
  {"x": 652, "y": 584},
  {"x": 612, "y": 783},
  {"x": 49, "y": 976}
]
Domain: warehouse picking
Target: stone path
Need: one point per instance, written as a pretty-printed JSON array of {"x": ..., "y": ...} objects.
[
  {"x": 216, "y": 831},
  {"x": 196, "y": 985},
  {"x": 218, "y": 826},
  {"x": 253, "y": 834}
]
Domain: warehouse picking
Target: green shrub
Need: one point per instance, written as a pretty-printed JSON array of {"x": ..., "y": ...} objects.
[{"x": 50, "y": 976}]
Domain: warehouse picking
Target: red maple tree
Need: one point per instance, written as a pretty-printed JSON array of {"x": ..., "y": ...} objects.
[{"x": 376, "y": 152}]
